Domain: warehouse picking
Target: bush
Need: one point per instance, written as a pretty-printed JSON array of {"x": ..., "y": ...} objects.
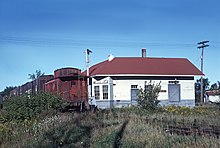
[
  {"x": 147, "y": 98},
  {"x": 179, "y": 110},
  {"x": 26, "y": 107},
  {"x": 199, "y": 110}
]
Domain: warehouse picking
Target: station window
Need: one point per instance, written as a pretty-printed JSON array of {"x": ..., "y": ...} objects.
[
  {"x": 105, "y": 91},
  {"x": 97, "y": 92}
]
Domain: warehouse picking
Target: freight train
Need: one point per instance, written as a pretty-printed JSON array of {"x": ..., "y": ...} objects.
[{"x": 69, "y": 83}]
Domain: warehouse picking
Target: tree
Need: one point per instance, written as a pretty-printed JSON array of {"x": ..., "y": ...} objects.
[
  {"x": 215, "y": 86},
  {"x": 35, "y": 75},
  {"x": 147, "y": 97},
  {"x": 206, "y": 83},
  {"x": 6, "y": 91}
]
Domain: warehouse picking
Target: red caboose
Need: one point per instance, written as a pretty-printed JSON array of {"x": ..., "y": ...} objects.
[{"x": 70, "y": 84}]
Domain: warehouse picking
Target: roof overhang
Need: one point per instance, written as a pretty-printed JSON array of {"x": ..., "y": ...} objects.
[{"x": 102, "y": 75}]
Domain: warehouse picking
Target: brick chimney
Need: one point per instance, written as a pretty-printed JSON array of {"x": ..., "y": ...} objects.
[{"x": 143, "y": 52}]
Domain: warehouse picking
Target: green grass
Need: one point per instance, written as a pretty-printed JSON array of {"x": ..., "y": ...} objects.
[{"x": 144, "y": 129}]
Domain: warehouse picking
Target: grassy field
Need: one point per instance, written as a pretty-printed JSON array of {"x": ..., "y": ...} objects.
[{"x": 125, "y": 127}]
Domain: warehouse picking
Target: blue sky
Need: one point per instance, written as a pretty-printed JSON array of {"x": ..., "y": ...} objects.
[{"x": 50, "y": 34}]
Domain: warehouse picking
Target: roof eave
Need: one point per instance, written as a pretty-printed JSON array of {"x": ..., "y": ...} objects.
[{"x": 96, "y": 75}]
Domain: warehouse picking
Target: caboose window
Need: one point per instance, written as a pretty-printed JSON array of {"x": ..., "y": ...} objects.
[
  {"x": 64, "y": 72},
  {"x": 105, "y": 91},
  {"x": 73, "y": 83},
  {"x": 97, "y": 92},
  {"x": 70, "y": 72},
  {"x": 53, "y": 85}
]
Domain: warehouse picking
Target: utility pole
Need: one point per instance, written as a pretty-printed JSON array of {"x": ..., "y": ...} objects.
[
  {"x": 202, "y": 46},
  {"x": 87, "y": 66}
]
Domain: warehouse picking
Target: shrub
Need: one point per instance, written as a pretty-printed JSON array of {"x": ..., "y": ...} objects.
[
  {"x": 210, "y": 110},
  {"x": 179, "y": 110},
  {"x": 147, "y": 98},
  {"x": 26, "y": 107}
]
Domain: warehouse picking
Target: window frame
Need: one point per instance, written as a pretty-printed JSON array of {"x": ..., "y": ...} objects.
[
  {"x": 105, "y": 92},
  {"x": 97, "y": 92}
]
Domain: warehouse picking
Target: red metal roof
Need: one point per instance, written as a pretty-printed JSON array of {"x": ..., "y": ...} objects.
[{"x": 145, "y": 66}]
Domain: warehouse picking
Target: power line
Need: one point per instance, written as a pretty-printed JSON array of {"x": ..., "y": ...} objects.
[{"x": 102, "y": 43}]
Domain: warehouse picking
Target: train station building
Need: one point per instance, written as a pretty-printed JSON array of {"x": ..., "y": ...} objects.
[{"x": 116, "y": 81}]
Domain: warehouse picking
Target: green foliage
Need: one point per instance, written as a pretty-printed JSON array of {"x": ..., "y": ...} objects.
[
  {"x": 66, "y": 131},
  {"x": 147, "y": 98},
  {"x": 206, "y": 83},
  {"x": 65, "y": 135},
  {"x": 100, "y": 130},
  {"x": 215, "y": 86},
  {"x": 35, "y": 75},
  {"x": 105, "y": 140},
  {"x": 6, "y": 91},
  {"x": 179, "y": 110},
  {"x": 26, "y": 107},
  {"x": 199, "y": 110}
]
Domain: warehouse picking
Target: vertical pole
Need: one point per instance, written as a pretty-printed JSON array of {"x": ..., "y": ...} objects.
[
  {"x": 87, "y": 65},
  {"x": 201, "y": 95},
  {"x": 202, "y": 46},
  {"x": 88, "y": 73}
]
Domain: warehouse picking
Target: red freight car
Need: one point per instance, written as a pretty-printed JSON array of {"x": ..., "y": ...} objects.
[
  {"x": 70, "y": 84},
  {"x": 34, "y": 87}
]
